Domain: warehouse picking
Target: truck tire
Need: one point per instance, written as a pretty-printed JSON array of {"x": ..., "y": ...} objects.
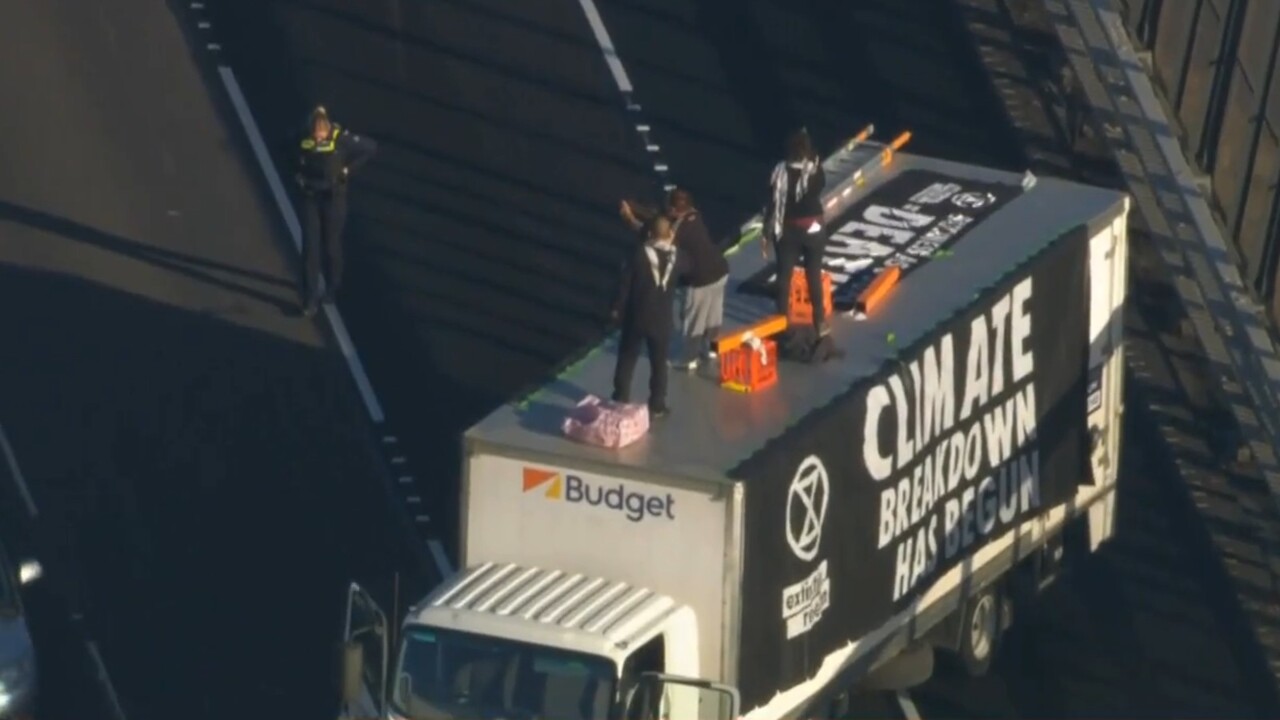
[{"x": 980, "y": 632}]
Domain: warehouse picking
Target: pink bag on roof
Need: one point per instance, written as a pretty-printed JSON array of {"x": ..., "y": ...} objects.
[{"x": 606, "y": 424}]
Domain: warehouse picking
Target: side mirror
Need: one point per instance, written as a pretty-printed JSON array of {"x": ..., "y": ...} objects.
[
  {"x": 405, "y": 686},
  {"x": 352, "y": 672},
  {"x": 660, "y": 696},
  {"x": 29, "y": 571}
]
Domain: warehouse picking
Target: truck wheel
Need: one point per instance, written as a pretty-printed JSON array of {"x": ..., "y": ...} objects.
[{"x": 980, "y": 632}]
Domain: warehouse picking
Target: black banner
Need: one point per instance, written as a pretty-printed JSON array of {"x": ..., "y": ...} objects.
[
  {"x": 862, "y": 505},
  {"x": 904, "y": 222}
]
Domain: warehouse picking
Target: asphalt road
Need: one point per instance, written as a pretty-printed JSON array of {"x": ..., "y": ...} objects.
[
  {"x": 203, "y": 475},
  {"x": 481, "y": 232},
  {"x": 483, "y": 241},
  {"x": 199, "y": 459}
]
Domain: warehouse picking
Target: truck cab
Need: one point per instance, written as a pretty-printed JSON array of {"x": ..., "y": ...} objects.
[{"x": 506, "y": 641}]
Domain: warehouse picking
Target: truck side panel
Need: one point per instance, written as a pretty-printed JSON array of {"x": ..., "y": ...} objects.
[
  {"x": 1108, "y": 288},
  {"x": 667, "y": 538},
  {"x": 857, "y": 513},
  {"x": 1108, "y": 278}
]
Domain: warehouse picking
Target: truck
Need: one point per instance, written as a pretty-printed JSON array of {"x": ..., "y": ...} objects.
[{"x": 766, "y": 554}]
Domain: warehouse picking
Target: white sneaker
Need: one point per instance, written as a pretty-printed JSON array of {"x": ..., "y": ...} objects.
[{"x": 689, "y": 366}]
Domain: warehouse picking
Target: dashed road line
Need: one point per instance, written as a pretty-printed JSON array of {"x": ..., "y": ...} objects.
[
  {"x": 356, "y": 367},
  {"x": 16, "y": 472},
  {"x": 623, "y": 81},
  {"x": 347, "y": 347},
  {"x": 295, "y": 234}
]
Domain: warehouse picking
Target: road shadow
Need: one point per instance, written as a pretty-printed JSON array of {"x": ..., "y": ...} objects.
[
  {"x": 199, "y": 269},
  {"x": 203, "y": 485},
  {"x": 483, "y": 240}
]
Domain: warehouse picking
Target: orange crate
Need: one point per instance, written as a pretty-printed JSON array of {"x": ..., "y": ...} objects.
[
  {"x": 800, "y": 311},
  {"x": 744, "y": 370}
]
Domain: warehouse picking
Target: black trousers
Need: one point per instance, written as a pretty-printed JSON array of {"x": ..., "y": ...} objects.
[
  {"x": 799, "y": 246},
  {"x": 323, "y": 216},
  {"x": 659, "y": 345}
]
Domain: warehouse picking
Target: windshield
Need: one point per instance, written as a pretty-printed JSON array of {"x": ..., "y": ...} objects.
[{"x": 445, "y": 674}]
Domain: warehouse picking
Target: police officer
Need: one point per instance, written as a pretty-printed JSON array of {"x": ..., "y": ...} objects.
[{"x": 328, "y": 155}]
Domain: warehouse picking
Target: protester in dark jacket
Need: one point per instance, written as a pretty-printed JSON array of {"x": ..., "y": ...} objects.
[
  {"x": 702, "y": 305},
  {"x": 793, "y": 223},
  {"x": 645, "y": 309}
]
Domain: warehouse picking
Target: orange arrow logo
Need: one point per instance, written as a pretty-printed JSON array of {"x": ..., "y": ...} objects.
[{"x": 534, "y": 478}]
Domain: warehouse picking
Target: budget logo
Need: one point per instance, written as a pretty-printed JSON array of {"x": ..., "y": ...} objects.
[
  {"x": 610, "y": 495},
  {"x": 534, "y": 479}
]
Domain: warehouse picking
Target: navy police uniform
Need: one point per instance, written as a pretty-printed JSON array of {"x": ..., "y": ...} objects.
[{"x": 323, "y": 170}]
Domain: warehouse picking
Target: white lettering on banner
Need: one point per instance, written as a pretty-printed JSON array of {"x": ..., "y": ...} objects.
[
  {"x": 890, "y": 235},
  {"x": 936, "y": 193},
  {"x": 804, "y": 603},
  {"x": 962, "y": 464}
]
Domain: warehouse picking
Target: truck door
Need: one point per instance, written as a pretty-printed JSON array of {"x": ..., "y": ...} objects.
[
  {"x": 670, "y": 697},
  {"x": 364, "y": 656}
]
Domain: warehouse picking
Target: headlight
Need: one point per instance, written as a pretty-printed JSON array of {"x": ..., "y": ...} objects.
[{"x": 16, "y": 679}]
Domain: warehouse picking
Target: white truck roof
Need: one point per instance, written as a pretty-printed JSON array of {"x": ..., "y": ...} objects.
[
  {"x": 575, "y": 612},
  {"x": 710, "y": 431}
]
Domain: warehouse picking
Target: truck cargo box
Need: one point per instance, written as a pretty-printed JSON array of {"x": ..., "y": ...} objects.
[{"x": 803, "y": 521}]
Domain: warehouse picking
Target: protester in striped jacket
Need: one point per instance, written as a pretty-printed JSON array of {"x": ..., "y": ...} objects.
[{"x": 793, "y": 223}]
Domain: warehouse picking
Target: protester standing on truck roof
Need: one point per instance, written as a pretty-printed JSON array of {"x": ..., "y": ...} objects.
[
  {"x": 645, "y": 308},
  {"x": 793, "y": 223},
  {"x": 702, "y": 305},
  {"x": 328, "y": 155}
]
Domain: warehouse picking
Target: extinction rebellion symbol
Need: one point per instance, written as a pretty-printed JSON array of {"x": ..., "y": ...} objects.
[
  {"x": 972, "y": 200},
  {"x": 805, "y": 602},
  {"x": 807, "y": 508}
]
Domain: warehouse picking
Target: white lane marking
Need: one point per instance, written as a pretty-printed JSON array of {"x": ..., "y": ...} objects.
[
  {"x": 335, "y": 318},
  {"x": 908, "y": 706},
  {"x": 295, "y": 233},
  {"x": 442, "y": 561},
  {"x": 16, "y": 472},
  {"x": 105, "y": 679},
  {"x": 606, "y": 45},
  {"x": 620, "y": 78}
]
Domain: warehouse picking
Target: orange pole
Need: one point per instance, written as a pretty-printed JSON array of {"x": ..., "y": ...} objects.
[
  {"x": 878, "y": 290},
  {"x": 861, "y": 137},
  {"x": 887, "y": 156},
  {"x": 767, "y": 327}
]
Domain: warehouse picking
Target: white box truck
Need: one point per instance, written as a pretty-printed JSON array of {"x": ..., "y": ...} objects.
[{"x": 763, "y": 554}]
